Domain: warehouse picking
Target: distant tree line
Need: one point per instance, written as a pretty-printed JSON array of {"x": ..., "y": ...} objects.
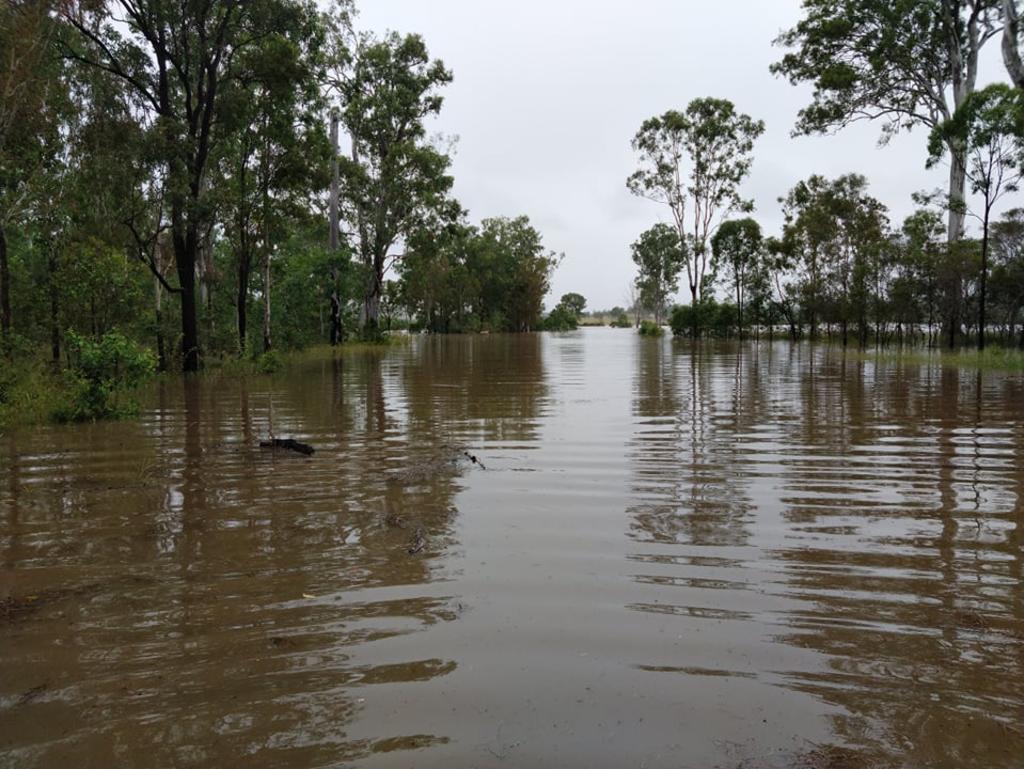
[{"x": 840, "y": 267}]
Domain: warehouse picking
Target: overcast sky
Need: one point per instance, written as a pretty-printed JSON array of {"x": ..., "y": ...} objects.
[{"x": 548, "y": 94}]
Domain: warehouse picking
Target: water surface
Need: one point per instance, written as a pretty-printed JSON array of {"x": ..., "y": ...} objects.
[{"x": 729, "y": 556}]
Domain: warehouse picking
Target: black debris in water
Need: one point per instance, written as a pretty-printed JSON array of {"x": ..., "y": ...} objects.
[{"x": 288, "y": 443}]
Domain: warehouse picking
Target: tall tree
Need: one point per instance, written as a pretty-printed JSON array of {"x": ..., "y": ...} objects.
[
  {"x": 696, "y": 159},
  {"x": 737, "y": 246},
  {"x": 29, "y": 90},
  {"x": 395, "y": 181},
  {"x": 902, "y": 62},
  {"x": 835, "y": 229},
  {"x": 923, "y": 253},
  {"x": 988, "y": 126},
  {"x": 1008, "y": 269},
  {"x": 659, "y": 257},
  {"x": 514, "y": 272},
  {"x": 176, "y": 57},
  {"x": 274, "y": 158}
]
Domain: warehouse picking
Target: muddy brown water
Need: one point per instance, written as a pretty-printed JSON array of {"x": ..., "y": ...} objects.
[{"x": 736, "y": 556}]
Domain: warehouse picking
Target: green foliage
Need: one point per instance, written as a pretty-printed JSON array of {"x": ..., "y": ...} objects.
[
  {"x": 566, "y": 314},
  {"x": 396, "y": 181},
  {"x": 990, "y": 126},
  {"x": 885, "y": 59},
  {"x": 561, "y": 318},
  {"x": 29, "y": 394},
  {"x": 738, "y": 249},
  {"x": 574, "y": 303},
  {"x": 621, "y": 320},
  {"x": 102, "y": 375},
  {"x": 840, "y": 235},
  {"x": 269, "y": 362},
  {"x": 716, "y": 142},
  {"x": 465, "y": 278},
  {"x": 650, "y": 328},
  {"x": 707, "y": 318},
  {"x": 659, "y": 256}
]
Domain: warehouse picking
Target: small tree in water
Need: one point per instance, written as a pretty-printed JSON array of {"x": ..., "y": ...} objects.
[
  {"x": 737, "y": 246},
  {"x": 102, "y": 375},
  {"x": 658, "y": 255}
]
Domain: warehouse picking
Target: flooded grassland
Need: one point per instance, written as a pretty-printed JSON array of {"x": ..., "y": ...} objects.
[{"x": 748, "y": 557}]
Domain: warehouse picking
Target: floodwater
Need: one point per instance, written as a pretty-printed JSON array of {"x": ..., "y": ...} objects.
[{"x": 734, "y": 557}]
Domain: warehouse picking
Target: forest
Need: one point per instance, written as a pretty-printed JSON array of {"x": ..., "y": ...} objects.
[{"x": 188, "y": 183}]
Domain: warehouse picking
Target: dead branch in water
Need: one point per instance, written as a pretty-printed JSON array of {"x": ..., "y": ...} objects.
[{"x": 288, "y": 443}]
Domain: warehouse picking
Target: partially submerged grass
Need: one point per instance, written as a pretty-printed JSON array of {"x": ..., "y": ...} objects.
[
  {"x": 274, "y": 361},
  {"x": 29, "y": 394},
  {"x": 990, "y": 359}
]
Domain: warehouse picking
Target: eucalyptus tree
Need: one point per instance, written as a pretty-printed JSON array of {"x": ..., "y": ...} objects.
[
  {"x": 659, "y": 256},
  {"x": 30, "y": 97},
  {"x": 176, "y": 58},
  {"x": 902, "y": 62},
  {"x": 693, "y": 162},
  {"x": 988, "y": 127},
  {"x": 513, "y": 269},
  {"x": 780, "y": 260},
  {"x": 435, "y": 284},
  {"x": 1008, "y": 269},
  {"x": 836, "y": 229},
  {"x": 923, "y": 254},
  {"x": 738, "y": 246},
  {"x": 1012, "y": 30},
  {"x": 274, "y": 156},
  {"x": 396, "y": 180}
]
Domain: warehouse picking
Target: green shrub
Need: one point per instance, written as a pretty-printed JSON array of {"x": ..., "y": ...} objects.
[
  {"x": 707, "y": 318},
  {"x": 650, "y": 328},
  {"x": 269, "y": 362},
  {"x": 561, "y": 318},
  {"x": 102, "y": 375},
  {"x": 29, "y": 393},
  {"x": 621, "y": 321}
]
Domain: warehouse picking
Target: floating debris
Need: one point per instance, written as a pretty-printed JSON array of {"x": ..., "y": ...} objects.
[
  {"x": 418, "y": 541},
  {"x": 472, "y": 458},
  {"x": 288, "y": 443},
  {"x": 34, "y": 693},
  {"x": 395, "y": 521}
]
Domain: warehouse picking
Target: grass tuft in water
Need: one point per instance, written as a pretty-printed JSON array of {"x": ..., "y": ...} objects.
[{"x": 990, "y": 359}]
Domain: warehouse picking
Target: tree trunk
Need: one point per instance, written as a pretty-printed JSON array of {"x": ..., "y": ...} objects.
[
  {"x": 957, "y": 184},
  {"x": 334, "y": 233},
  {"x": 158, "y": 298},
  {"x": 51, "y": 265},
  {"x": 371, "y": 303},
  {"x": 984, "y": 278},
  {"x": 185, "y": 247},
  {"x": 1011, "y": 50},
  {"x": 266, "y": 302},
  {"x": 739, "y": 308},
  {"x": 334, "y": 237},
  {"x": 242, "y": 300},
  {"x": 5, "y": 296},
  {"x": 335, "y": 319},
  {"x": 955, "y": 229}
]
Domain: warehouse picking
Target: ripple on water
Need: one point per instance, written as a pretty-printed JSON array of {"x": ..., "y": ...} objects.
[{"x": 758, "y": 555}]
